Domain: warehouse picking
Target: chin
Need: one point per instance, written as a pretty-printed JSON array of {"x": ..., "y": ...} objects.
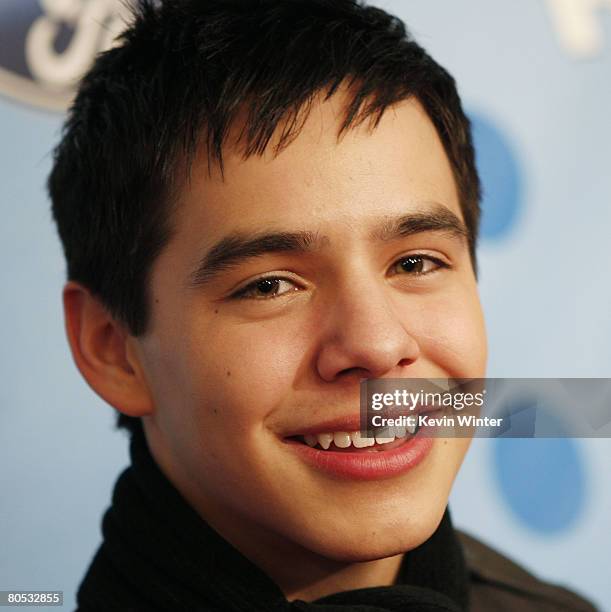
[{"x": 377, "y": 540}]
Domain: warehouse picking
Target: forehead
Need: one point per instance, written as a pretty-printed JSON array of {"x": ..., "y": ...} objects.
[{"x": 319, "y": 182}]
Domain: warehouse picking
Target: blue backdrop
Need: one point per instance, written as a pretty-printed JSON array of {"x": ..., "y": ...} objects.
[{"x": 535, "y": 77}]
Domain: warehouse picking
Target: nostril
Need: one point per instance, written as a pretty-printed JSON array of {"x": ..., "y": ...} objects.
[{"x": 360, "y": 373}]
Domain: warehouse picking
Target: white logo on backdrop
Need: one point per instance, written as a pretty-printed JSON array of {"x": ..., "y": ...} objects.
[
  {"x": 57, "y": 47},
  {"x": 95, "y": 24},
  {"x": 579, "y": 24}
]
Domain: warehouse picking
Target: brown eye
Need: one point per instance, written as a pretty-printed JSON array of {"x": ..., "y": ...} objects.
[
  {"x": 268, "y": 286},
  {"x": 265, "y": 288},
  {"x": 418, "y": 265}
]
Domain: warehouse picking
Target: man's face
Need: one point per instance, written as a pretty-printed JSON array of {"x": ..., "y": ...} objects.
[{"x": 239, "y": 368}]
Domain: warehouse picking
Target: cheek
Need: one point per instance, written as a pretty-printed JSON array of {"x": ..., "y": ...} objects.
[
  {"x": 452, "y": 334},
  {"x": 238, "y": 370}
]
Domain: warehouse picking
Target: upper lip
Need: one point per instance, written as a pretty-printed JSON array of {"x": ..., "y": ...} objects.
[{"x": 351, "y": 422}]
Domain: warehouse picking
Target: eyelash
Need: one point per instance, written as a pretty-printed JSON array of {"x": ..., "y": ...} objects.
[{"x": 243, "y": 293}]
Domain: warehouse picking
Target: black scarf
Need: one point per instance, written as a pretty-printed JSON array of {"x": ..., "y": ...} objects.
[{"x": 158, "y": 554}]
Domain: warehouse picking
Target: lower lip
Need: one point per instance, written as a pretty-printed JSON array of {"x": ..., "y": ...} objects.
[{"x": 374, "y": 465}]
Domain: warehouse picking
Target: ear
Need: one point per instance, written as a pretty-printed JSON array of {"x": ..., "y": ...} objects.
[{"x": 104, "y": 353}]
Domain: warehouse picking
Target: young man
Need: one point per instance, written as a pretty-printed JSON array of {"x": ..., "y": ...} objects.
[{"x": 261, "y": 204}]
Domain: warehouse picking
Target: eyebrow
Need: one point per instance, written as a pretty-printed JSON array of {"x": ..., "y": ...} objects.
[
  {"x": 237, "y": 248},
  {"x": 437, "y": 218}
]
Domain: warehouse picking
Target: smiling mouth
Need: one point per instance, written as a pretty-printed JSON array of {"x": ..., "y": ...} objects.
[{"x": 353, "y": 442}]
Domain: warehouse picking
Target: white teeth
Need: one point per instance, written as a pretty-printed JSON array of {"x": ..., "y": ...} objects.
[
  {"x": 311, "y": 440},
  {"x": 400, "y": 432},
  {"x": 325, "y": 439},
  {"x": 359, "y": 441},
  {"x": 412, "y": 428},
  {"x": 386, "y": 436},
  {"x": 342, "y": 439},
  {"x": 443, "y": 383}
]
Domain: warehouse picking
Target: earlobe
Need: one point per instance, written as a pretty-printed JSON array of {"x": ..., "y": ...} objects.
[{"x": 102, "y": 353}]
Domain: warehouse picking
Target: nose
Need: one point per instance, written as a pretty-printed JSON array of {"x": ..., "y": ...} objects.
[{"x": 363, "y": 335}]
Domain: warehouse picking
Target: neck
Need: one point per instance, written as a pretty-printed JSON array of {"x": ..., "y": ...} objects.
[{"x": 342, "y": 577}]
